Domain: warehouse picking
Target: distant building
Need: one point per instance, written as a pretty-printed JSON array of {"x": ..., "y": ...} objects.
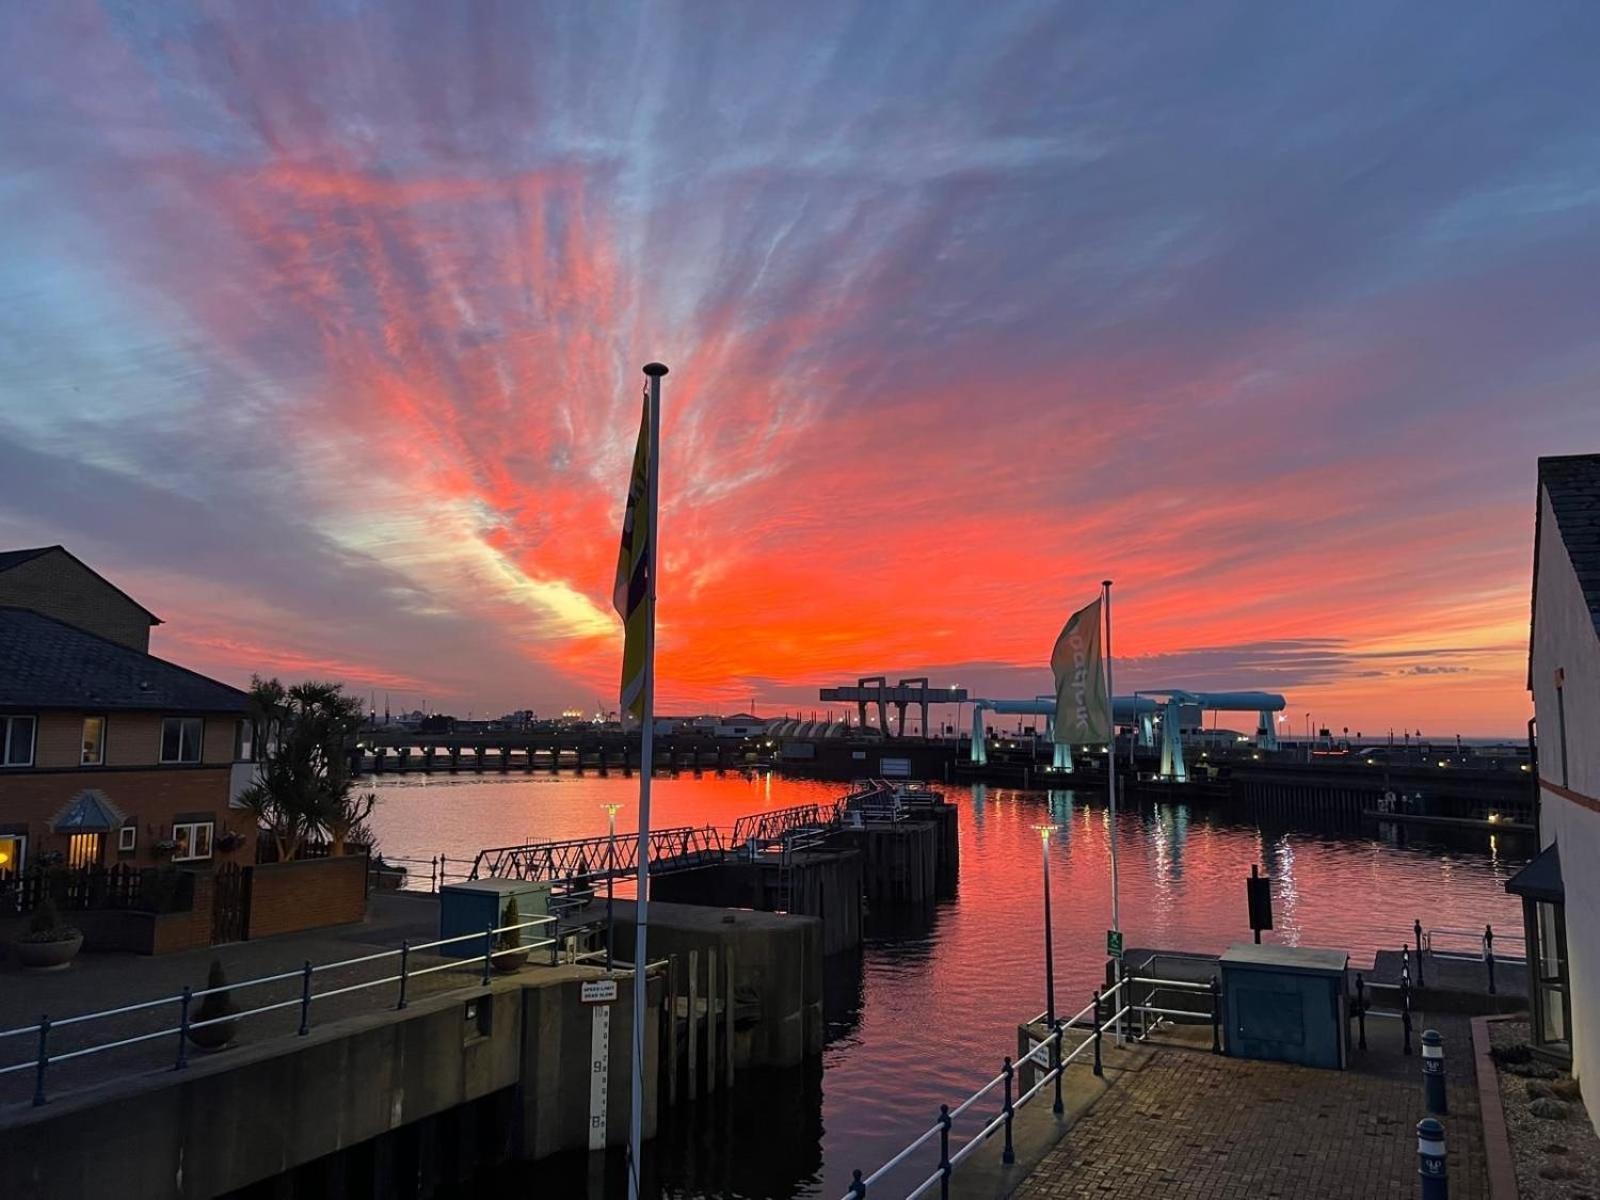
[
  {"x": 740, "y": 725},
  {"x": 1561, "y": 906},
  {"x": 107, "y": 753}
]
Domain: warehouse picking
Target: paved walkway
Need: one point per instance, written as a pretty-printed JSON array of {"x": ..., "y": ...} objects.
[
  {"x": 97, "y": 982},
  {"x": 1190, "y": 1124}
]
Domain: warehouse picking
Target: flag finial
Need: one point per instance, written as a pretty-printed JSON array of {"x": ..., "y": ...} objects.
[{"x": 655, "y": 368}]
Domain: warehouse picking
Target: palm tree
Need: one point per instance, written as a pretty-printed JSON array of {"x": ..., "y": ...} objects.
[{"x": 303, "y": 787}]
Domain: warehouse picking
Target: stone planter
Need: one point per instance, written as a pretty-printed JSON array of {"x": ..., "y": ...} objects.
[
  {"x": 510, "y": 961},
  {"x": 214, "y": 1037},
  {"x": 48, "y": 956}
]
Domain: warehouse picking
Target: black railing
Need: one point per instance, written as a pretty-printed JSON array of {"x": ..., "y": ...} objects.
[{"x": 80, "y": 889}]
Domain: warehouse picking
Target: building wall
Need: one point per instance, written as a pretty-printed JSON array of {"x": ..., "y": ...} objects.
[
  {"x": 307, "y": 894},
  {"x": 133, "y": 739},
  {"x": 59, "y": 586},
  {"x": 153, "y": 797},
  {"x": 1564, "y": 637}
]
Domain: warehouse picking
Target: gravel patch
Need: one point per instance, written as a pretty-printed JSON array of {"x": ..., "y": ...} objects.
[{"x": 1553, "y": 1145}]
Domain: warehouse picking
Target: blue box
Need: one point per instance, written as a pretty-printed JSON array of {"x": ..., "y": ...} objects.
[
  {"x": 1286, "y": 1004},
  {"x": 477, "y": 904}
]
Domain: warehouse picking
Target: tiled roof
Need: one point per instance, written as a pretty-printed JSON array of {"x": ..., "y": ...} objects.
[
  {"x": 49, "y": 664},
  {"x": 1572, "y": 482},
  {"x": 15, "y": 558}
]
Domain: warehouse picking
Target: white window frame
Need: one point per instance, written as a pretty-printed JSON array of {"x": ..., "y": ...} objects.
[
  {"x": 104, "y": 724},
  {"x": 194, "y": 827},
  {"x": 127, "y": 839},
  {"x": 199, "y": 745},
  {"x": 9, "y": 721}
]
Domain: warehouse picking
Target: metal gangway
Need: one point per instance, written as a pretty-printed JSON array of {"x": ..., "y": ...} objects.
[{"x": 604, "y": 857}]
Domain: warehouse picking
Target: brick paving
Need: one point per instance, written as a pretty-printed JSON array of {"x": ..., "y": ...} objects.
[{"x": 1189, "y": 1124}]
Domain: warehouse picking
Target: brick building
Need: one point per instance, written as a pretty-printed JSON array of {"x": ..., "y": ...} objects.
[{"x": 107, "y": 753}]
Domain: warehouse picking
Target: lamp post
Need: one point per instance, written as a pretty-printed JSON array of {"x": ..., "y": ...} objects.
[
  {"x": 611, "y": 871},
  {"x": 1049, "y": 958},
  {"x": 957, "y": 687}
]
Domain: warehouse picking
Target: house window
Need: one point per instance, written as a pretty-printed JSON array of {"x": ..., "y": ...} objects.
[
  {"x": 127, "y": 839},
  {"x": 192, "y": 840},
  {"x": 85, "y": 849},
  {"x": 244, "y": 741},
  {"x": 94, "y": 741},
  {"x": 16, "y": 741},
  {"x": 13, "y": 851},
  {"x": 180, "y": 739}
]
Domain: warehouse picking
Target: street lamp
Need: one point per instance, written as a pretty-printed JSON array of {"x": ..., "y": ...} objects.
[
  {"x": 1050, "y": 970},
  {"x": 611, "y": 872}
]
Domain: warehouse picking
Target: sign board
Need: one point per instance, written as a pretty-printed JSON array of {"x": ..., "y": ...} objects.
[
  {"x": 1114, "y": 943},
  {"x": 894, "y": 768},
  {"x": 599, "y": 1068},
  {"x": 599, "y": 991},
  {"x": 1258, "y": 892}
]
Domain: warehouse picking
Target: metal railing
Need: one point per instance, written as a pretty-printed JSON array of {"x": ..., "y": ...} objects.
[
  {"x": 40, "y": 1062},
  {"x": 1485, "y": 941},
  {"x": 1099, "y": 1020},
  {"x": 440, "y": 870}
]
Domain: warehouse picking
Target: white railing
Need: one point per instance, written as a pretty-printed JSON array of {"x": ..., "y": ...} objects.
[{"x": 41, "y": 1031}]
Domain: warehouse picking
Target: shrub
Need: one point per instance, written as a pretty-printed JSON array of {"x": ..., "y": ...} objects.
[{"x": 46, "y": 925}]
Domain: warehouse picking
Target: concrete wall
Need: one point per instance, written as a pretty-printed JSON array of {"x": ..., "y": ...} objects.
[
  {"x": 307, "y": 894},
  {"x": 825, "y": 884},
  {"x": 1564, "y": 638},
  {"x": 59, "y": 586},
  {"x": 256, "y": 1112}
]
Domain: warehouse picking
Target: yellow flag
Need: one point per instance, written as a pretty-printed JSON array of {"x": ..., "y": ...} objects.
[
  {"x": 631, "y": 592},
  {"x": 1083, "y": 710}
]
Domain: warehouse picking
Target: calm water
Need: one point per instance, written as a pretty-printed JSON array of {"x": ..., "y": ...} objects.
[{"x": 932, "y": 1005}]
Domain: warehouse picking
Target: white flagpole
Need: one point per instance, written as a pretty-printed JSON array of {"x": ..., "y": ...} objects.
[
  {"x": 1111, "y": 757},
  {"x": 646, "y": 763}
]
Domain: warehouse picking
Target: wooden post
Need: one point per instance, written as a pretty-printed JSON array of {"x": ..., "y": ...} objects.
[
  {"x": 727, "y": 1018},
  {"x": 672, "y": 1029},
  {"x": 694, "y": 1022},
  {"x": 711, "y": 1021}
]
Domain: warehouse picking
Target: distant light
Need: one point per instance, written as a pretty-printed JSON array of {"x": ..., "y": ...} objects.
[
  {"x": 1255, "y": 756},
  {"x": 1494, "y": 818},
  {"x": 1441, "y": 762},
  {"x": 1524, "y": 766}
]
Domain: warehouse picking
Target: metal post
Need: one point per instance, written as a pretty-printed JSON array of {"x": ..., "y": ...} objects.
[
  {"x": 488, "y": 951},
  {"x": 858, "y": 1186},
  {"x": 1431, "y": 1160},
  {"x": 405, "y": 959},
  {"x": 1098, "y": 1069},
  {"x": 1216, "y": 1016},
  {"x": 1433, "y": 1072},
  {"x": 1488, "y": 954},
  {"x": 305, "y": 999},
  {"x": 1417, "y": 929},
  {"x": 1405, "y": 965},
  {"x": 1057, "y": 1107},
  {"x": 944, "y": 1152},
  {"x": 1405, "y": 1015},
  {"x": 183, "y": 1030},
  {"x": 44, "y": 1060},
  {"x": 1361, "y": 1010},
  {"x": 1008, "y": 1155}
]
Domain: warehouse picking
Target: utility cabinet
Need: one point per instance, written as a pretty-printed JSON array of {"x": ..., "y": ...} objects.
[
  {"x": 1286, "y": 1004},
  {"x": 477, "y": 904}
]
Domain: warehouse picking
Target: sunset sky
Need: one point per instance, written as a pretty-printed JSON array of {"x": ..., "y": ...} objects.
[{"x": 321, "y": 327}]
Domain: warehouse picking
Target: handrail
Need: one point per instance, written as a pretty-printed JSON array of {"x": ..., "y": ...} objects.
[{"x": 489, "y": 935}]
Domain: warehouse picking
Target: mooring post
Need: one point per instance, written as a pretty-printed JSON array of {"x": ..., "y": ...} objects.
[
  {"x": 944, "y": 1152},
  {"x": 183, "y": 1030},
  {"x": 1061, "y": 1026},
  {"x": 1433, "y": 1072},
  {"x": 305, "y": 999},
  {"x": 1431, "y": 1160},
  {"x": 1098, "y": 1069},
  {"x": 43, "y": 1062},
  {"x": 1361, "y": 1010},
  {"x": 1488, "y": 954},
  {"x": 858, "y": 1186},
  {"x": 1405, "y": 1015},
  {"x": 488, "y": 951},
  {"x": 1416, "y": 927},
  {"x": 1008, "y": 1155},
  {"x": 1216, "y": 1016}
]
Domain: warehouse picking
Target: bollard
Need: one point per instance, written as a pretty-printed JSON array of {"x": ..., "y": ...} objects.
[
  {"x": 1405, "y": 965},
  {"x": 1361, "y": 1010},
  {"x": 1433, "y": 1073},
  {"x": 1009, "y": 1154},
  {"x": 44, "y": 1060},
  {"x": 405, "y": 958},
  {"x": 944, "y": 1152},
  {"x": 488, "y": 951},
  {"x": 1405, "y": 1016},
  {"x": 1431, "y": 1160},
  {"x": 305, "y": 999},
  {"x": 183, "y": 1030},
  {"x": 1417, "y": 928},
  {"x": 1216, "y": 1016},
  {"x": 1488, "y": 954},
  {"x": 858, "y": 1186},
  {"x": 1098, "y": 1069},
  {"x": 1055, "y": 1057}
]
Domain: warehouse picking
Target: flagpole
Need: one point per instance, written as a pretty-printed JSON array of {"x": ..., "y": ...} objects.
[
  {"x": 1111, "y": 757},
  {"x": 646, "y": 764}
]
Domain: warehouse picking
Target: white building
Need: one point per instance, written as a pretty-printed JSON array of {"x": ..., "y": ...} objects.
[{"x": 1561, "y": 907}]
